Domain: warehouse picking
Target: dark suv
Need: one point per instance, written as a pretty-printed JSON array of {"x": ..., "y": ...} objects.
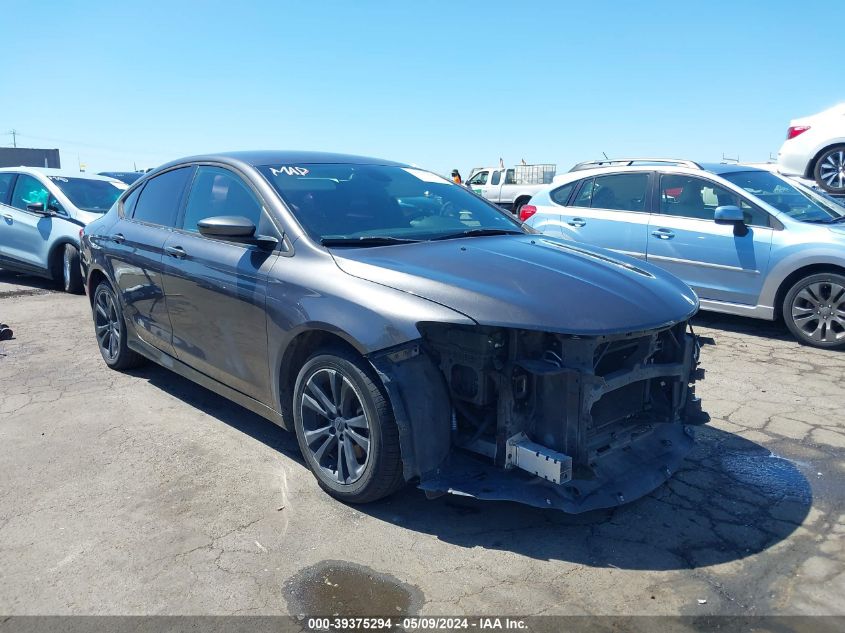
[{"x": 405, "y": 328}]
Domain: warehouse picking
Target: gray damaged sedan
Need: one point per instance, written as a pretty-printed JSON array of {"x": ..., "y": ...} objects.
[{"x": 403, "y": 327}]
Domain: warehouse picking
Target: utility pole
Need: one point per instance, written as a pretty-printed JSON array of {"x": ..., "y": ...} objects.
[{"x": 14, "y": 134}]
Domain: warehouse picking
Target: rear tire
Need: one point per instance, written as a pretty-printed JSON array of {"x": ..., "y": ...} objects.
[
  {"x": 814, "y": 310},
  {"x": 71, "y": 272},
  {"x": 829, "y": 171},
  {"x": 110, "y": 330},
  {"x": 517, "y": 206},
  {"x": 345, "y": 428}
]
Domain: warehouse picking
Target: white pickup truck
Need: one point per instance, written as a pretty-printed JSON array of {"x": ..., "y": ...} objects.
[{"x": 510, "y": 187}]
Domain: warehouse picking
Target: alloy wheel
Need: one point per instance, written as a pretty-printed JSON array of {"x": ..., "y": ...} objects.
[
  {"x": 832, "y": 169},
  {"x": 818, "y": 311},
  {"x": 335, "y": 426},
  {"x": 107, "y": 325}
]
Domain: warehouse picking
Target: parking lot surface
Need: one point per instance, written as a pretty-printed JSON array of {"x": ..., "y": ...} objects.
[{"x": 142, "y": 493}]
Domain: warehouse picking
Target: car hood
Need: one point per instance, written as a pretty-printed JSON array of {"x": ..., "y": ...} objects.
[
  {"x": 86, "y": 217},
  {"x": 529, "y": 282}
]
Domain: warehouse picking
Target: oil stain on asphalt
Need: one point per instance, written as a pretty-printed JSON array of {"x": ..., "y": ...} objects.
[{"x": 340, "y": 588}]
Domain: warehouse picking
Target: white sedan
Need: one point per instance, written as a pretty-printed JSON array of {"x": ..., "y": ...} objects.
[{"x": 815, "y": 149}]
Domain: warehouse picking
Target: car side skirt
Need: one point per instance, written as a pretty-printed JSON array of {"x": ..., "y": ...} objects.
[
  {"x": 10, "y": 263},
  {"x": 168, "y": 362},
  {"x": 756, "y": 312}
]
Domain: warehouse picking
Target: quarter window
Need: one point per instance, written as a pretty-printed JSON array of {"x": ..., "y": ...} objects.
[
  {"x": 561, "y": 195},
  {"x": 129, "y": 202},
  {"x": 161, "y": 198},
  {"x": 218, "y": 191},
  {"x": 29, "y": 190}
]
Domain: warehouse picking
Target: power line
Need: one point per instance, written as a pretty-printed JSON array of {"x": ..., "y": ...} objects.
[{"x": 119, "y": 150}]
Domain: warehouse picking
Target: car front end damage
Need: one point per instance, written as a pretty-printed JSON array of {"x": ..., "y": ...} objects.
[{"x": 547, "y": 419}]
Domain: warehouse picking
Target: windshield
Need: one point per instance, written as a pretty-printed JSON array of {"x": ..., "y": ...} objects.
[
  {"x": 87, "y": 194},
  {"x": 339, "y": 202},
  {"x": 796, "y": 201}
]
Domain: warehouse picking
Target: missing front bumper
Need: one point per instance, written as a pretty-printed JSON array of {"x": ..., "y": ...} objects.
[{"x": 620, "y": 478}]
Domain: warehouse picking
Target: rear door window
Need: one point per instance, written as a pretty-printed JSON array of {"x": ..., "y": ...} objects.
[
  {"x": 161, "y": 198},
  {"x": 620, "y": 192},
  {"x": 6, "y": 180},
  {"x": 585, "y": 194}
]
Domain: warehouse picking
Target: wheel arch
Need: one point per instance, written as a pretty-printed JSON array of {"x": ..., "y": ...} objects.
[
  {"x": 302, "y": 345},
  {"x": 95, "y": 277},
  {"x": 422, "y": 415},
  {"x": 811, "y": 166},
  {"x": 800, "y": 273},
  {"x": 55, "y": 255}
]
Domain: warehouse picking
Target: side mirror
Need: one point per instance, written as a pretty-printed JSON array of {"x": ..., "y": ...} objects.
[
  {"x": 226, "y": 226},
  {"x": 38, "y": 207},
  {"x": 235, "y": 227},
  {"x": 729, "y": 214}
]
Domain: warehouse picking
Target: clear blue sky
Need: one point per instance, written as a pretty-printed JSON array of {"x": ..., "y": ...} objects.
[{"x": 438, "y": 84}]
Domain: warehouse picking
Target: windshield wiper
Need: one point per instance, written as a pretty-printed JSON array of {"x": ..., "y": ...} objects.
[
  {"x": 478, "y": 233},
  {"x": 365, "y": 240}
]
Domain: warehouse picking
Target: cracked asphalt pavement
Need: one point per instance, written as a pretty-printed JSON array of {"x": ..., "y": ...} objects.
[{"x": 141, "y": 493}]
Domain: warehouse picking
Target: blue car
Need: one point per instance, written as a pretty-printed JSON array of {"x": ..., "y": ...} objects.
[{"x": 749, "y": 242}]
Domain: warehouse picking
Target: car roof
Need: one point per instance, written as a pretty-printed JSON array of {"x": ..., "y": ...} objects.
[
  {"x": 62, "y": 173},
  {"x": 717, "y": 169},
  {"x": 728, "y": 168},
  {"x": 258, "y": 158}
]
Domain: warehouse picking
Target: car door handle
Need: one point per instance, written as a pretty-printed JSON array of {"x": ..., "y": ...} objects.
[
  {"x": 663, "y": 234},
  {"x": 118, "y": 238},
  {"x": 8, "y": 216},
  {"x": 175, "y": 251},
  {"x": 579, "y": 222}
]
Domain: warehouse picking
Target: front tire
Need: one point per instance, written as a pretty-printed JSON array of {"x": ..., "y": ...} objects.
[
  {"x": 71, "y": 272},
  {"x": 829, "y": 171},
  {"x": 814, "y": 310},
  {"x": 110, "y": 330},
  {"x": 345, "y": 428}
]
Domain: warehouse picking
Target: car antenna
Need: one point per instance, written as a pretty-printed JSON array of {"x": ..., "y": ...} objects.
[{"x": 605, "y": 155}]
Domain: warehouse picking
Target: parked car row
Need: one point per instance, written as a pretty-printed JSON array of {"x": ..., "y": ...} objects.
[
  {"x": 404, "y": 328},
  {"x": 748, "y": 241},
  {"x": 407, "y": 329}
]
